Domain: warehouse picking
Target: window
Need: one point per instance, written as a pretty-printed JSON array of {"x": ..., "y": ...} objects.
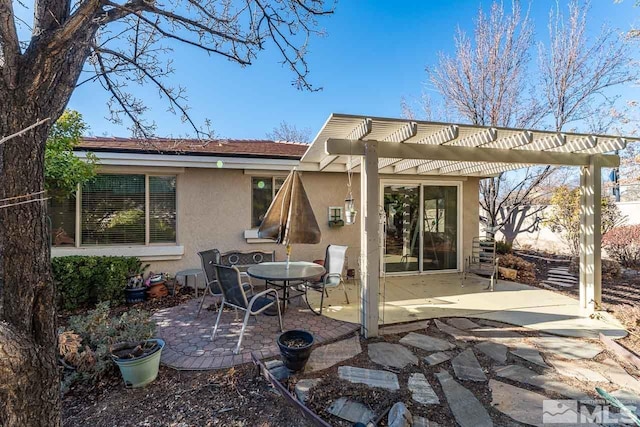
[
  {"x": 263, "y": 190},
  {"x": 118, "y": 209}
]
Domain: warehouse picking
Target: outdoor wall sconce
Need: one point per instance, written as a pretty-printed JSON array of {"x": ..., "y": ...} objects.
[
  {"x": 335, "y": 216},
  {"x": 350, "y": 211}
]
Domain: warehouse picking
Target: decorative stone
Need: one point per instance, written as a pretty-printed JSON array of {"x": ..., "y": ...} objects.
[
  {"x": 328, "y": 355},
  {"x": 350, "y": 410},
  {"x": 522, "y": 405},
  {"x": 466, "y": 409},
  {"x": 575, "y": 370},
  {"x": 404, "y": 327},
  {"x": 280, "y": 372},
  {"x": 619, "y": 376},
  {"x": 270, "y": 364},
  {"x": 370, "y": 377},
  {"x": 454, "y": 332},
  {"x": 426, "y": 342},
  {"x": 503, "y": 336},
  {"x": 394, "y": 355},
  {"x": 493, "y": 350},
  {"x": 530, "y": 355},
  {"x": 439, "y": 357},
  {"x": 399, "y": 416},
  {"x": 462, "y": 323},
  {"x": 421, "y": 390},
  {"x": 567, "y": 348},
  {"x": 423, "y": 422},
  {"x": 303, "y": 386},
  {"x": 466, "y": 367},
  {"x": 527, "y": 376}
]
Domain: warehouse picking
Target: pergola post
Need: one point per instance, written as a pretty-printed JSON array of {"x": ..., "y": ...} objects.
[
  {"x": 369, "y": 240},
  {"x": 590, "y": 236}
]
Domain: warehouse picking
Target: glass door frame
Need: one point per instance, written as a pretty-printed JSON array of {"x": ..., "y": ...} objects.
[{"x": 421, "y": 183}]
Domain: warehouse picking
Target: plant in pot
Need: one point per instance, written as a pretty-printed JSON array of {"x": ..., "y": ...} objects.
[
  {"x": 135, "y": 290},
  {"x": 155, "y": 284},
  {"x": 138, "y": 361},
  {"x": 295, "y": 348}
]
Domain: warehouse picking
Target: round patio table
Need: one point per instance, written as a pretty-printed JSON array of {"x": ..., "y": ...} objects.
[{"x": 276, "y": 275}]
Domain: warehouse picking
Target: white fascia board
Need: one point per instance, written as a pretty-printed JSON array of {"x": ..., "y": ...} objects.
[{"x": 189, "y": 161}]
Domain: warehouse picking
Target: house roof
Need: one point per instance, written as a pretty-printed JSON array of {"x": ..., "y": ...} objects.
[
  {"x": 256, "y": 148},
  {"x": 432, "y": 148}
]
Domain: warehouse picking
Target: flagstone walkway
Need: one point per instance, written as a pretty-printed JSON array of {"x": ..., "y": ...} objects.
[{"x": 188, "y": 339}]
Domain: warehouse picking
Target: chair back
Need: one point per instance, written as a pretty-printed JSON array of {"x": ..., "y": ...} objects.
[
  {"x": 244, "y": 259},
  {"x": 208, "y": 259},
  {"x": 483, "y": 253},
  {"x": 231, "y": 285},
  {"x": 334, "y": 263}
]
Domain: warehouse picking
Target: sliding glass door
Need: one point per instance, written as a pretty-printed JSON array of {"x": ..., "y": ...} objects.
[{"x": 421, "y": 229}]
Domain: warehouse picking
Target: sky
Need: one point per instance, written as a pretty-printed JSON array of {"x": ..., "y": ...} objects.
[{"x": 374, "y": 54}]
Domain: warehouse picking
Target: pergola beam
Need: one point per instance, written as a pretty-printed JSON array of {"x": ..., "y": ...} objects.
[
  {"x": 343, "y": 147},
  {"x": 363, "y": 129}
]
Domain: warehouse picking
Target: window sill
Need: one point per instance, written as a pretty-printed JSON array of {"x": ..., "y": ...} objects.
[
  {"x": 251, "y": 236},
  {"x": 145, "y": 253}
]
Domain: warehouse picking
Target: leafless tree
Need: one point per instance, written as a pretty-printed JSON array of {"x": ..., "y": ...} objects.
[
  {"x": 288, "y": 132},
  {"x": 116, "y": 43}
]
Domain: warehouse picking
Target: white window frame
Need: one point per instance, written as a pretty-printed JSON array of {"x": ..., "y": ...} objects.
[{"x": 273, "y": 192}]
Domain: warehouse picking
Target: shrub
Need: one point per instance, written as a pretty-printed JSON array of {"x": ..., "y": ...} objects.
[
  {"x": 623, "y": 245},
  {"x": 526, "y": 269},
  {"x": 82, "y": 281},
  {"x": 503, "y": 247},
  {"x": 84, "y": 344},
  {"x": 609, "y": 267}
]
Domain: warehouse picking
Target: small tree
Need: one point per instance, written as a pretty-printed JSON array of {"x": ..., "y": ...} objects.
[
  {"x": 63, "y": 170},
  {"x": 288, "y": 132},
  {"x": 565, "y": 216}
]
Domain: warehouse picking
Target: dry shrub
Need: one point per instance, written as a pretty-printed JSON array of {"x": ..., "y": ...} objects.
[
  {"x": 623, "y": 245},
  {"x": 526, "y": 269},
  {"x": 610, "y": 268}
]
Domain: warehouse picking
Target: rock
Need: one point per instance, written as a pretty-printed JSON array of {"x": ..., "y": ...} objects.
[
  {"x": 423, "y": 422},
  {"x": 462, "y": 323},
  {"x": 328, "y": 355},
  {"x": 522, "y": 405},
  {"x": 503, "y": 336},
  {"x": 619, "y": 376},
  {"x": 394, "y": 355},
  {"x": 350, "y": 410},
  {"x": 421, "y": 390},
  {"x": 303, "y": 386},
  {"x": 466, "y": 409},
  {"x": 426, "y": 342},
  {"x": 466, "y": 367},
  {"x": 281, "y": 372},
  {"x": 530, "y": 355},
  {"x": 494, "y": 350},
  {"x": 527, "y": 376},
  {"x": 439, "y": 357},
  {"x": 567, "y": 348},
  {"x": 270, "y": 364},
  {"x": 575, "y": 370},
  {"x": 399, "y": 416},
  {"x": 455, "y": 332},
  {"x": 404, "y": 327},
  {"x": 370, "y": 377}
]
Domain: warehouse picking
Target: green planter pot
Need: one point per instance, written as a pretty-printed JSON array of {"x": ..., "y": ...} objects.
[{"x": 142, "y": 370}]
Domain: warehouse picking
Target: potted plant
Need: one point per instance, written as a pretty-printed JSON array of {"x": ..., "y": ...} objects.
[
  {"x": 155, "y": 286},
  {"x": 138, "y": 361},
  {"x": 135, "y": 289},
  {"x": 295, "y": 348}
]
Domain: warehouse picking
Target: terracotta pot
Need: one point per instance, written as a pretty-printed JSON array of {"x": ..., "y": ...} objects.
[{"x": 157, "y": 290}]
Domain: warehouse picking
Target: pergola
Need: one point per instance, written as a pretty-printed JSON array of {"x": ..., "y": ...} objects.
[{"x": 373, "y": 146}]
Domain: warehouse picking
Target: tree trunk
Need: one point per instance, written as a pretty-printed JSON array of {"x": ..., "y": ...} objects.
[{"x": 29, "y": 376}]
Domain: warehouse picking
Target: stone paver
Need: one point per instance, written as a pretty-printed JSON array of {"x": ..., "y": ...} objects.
[
  {"x": 423, "y": 422},
  {"x": 328, "y": 355},
  {"x": 439, "y": 357},
  {"x": 462, "y": 323},
  {"x": 455, "y": 332},
  {"x": 573, "y": 369},
  {"x": 493, "y": 350},
  {"x": 350, "y": 410},
  {"x": 421, "y": 390},
  {"x": 188, "y": 342},
  {"x": 466, "y": 409},
  {"x": 394, "y": 355},
  {"x": 370, "y": 377},
  {"x": 520, "y": 404},
  {"x": 303, "y": 386},
  {"x": 404, "y": 327},
  {"x": 504, "y": 336},
  {"x": 618, "y": 376},
  {"x": 527, "y": 376},
  {"x": 567, "y": 348},
  {"x": 426, "y": 342},
  {"x": 530, "y": 355},
  {"x": 467, "y": 367},
  {"x": 399, "y": 416}
]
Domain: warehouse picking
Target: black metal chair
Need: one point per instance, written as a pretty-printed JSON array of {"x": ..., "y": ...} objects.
[
  {"x": 234, "y": 295},
  {"x": 334, "y": 265}
]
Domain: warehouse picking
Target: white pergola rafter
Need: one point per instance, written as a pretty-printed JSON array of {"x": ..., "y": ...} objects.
[{"x": 361, "y": 130}]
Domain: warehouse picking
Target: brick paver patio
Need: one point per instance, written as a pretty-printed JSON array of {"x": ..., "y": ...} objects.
[{"x": 188, "y": 339}]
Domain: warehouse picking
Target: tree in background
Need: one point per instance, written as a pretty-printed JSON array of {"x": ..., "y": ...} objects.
[
  {"x": 565, "y": 216},
  {"x": 288, "y": 132},
  {"x": 118, "y": 44},
  {"x": 489, "y": 82}
]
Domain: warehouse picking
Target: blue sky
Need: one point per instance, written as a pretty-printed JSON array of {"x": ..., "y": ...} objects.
[{"x": 374, "y": 53}]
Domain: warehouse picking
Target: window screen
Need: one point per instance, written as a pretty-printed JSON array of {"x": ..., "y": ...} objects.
[
  {"x": 62, "y": 213},
  {"x": 113, "y": 210},
  {"x": 162, "y": 209}
]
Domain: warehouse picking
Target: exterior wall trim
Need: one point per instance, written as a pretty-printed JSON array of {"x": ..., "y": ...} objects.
[{"x": 145, "y": 253}]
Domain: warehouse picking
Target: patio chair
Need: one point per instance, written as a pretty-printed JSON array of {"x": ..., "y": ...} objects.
[
  {"x": 244, "y": 260},
  {"x": 483, "y": 261},
  {"x": 334, "y": 264},
  {"x": 208, "y": 259},
  {"x": 234, "y": 295}
]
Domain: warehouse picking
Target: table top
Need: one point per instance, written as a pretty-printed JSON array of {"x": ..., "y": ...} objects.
[
  {"x": 189, "y": 272},
  {"x": 298, "y": 270}
]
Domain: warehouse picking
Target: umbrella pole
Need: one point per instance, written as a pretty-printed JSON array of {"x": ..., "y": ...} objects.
[{"x": 288, "y": 256}]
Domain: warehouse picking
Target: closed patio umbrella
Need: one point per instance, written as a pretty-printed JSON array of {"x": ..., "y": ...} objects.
[{"x": 290, "y": 219}]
